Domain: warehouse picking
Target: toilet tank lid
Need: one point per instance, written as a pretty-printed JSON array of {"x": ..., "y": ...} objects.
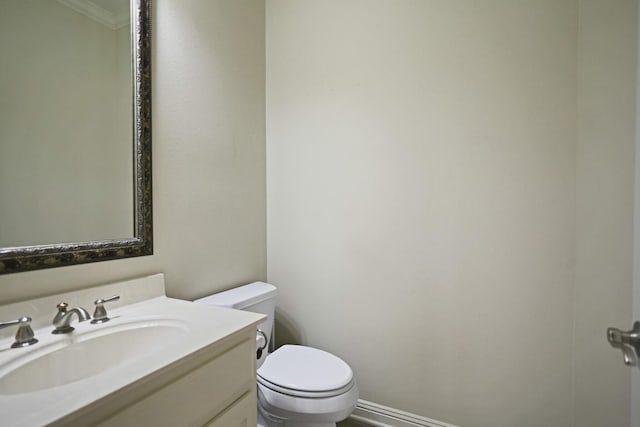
[{"x": 241, "y": 296}]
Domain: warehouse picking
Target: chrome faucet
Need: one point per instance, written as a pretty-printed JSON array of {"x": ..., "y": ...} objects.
[
  {"x": 24, "y": 336},
  {"x": 62, "y": 319}
]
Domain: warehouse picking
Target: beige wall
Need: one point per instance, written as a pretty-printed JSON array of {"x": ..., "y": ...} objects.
[
  {"x": 604, "y": 207},
  {"x": 208, "y": 157},
  {"x": 424, "y": 175}
]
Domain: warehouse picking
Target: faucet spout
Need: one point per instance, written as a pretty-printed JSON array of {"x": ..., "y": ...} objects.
[{"x": 62, "y": 319}]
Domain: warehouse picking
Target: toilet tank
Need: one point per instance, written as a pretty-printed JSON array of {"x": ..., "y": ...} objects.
[{"x": 258, "y": 297}]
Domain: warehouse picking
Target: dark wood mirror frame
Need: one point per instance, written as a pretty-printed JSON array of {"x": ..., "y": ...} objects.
[{"x": 26, "y": 258}]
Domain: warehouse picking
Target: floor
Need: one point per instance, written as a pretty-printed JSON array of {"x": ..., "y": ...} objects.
[{"x": 347, "y": 423}]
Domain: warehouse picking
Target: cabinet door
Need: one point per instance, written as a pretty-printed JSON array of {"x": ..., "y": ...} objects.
[
  {"x": 197, "y": 396},
  {"x": 243, "y": 413}
]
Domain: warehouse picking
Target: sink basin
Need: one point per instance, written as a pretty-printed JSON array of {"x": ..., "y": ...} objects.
[{"x": 85, "y": 355}]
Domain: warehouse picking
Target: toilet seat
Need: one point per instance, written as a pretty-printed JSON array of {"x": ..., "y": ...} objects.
[
  {"x": 303, "y": 371},
  {"x": 302, "y": 393}
]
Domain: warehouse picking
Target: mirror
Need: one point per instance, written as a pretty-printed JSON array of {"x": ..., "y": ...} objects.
[{"x": 75, "y": 151}]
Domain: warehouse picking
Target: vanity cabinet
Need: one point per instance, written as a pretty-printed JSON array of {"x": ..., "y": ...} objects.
[
  {"x": 219, "y": 392},
  {"x": 159, "y": 361}
]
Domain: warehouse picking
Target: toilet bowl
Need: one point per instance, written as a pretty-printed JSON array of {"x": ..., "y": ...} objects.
[
  {"x": 303, "y": 385},
  {"x": 298, "y": 386}
]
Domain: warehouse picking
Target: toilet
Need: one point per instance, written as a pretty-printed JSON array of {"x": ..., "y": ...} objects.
[{"x": 298, "y": 386}]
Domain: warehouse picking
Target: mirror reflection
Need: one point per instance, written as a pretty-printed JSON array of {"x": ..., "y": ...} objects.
[{"x": 66, "y": 122}]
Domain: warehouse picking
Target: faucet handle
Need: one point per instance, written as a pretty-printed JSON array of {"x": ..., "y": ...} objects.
[
  {"x": 100, "y": 313},
  {"x": 24, "y": 335}
]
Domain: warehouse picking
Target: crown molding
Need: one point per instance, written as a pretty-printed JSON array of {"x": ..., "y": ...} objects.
[{"x": 89, "y": 9}]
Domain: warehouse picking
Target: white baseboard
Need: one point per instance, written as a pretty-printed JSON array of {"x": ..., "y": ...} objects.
[{"x": 375, "y": 415}]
